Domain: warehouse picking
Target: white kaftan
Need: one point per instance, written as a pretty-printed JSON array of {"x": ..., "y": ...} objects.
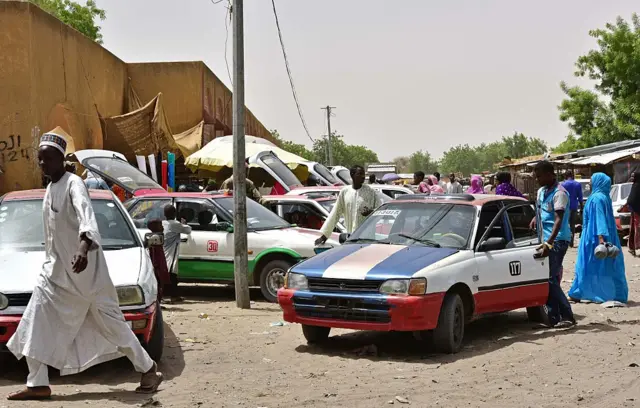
[
  {"x": 172, "y": 230},
  {"x": 350, "y": 204},
  {"x": 73, "y": 320}
]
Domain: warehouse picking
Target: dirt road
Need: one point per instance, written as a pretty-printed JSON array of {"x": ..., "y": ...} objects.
[{"x": 239, "y": 359}]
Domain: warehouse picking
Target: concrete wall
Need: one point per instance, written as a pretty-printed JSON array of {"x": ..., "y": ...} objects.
[{"x": 180, "y": 84}]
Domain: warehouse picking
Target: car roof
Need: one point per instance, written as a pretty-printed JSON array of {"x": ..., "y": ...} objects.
[
  {"x": 464, "y": 199},
  {"x": 321, "y": 188},
  {"x": 182, "y": 195},
  {"x": 296, "y": 198},
  {"x": 39, "y": 194}
]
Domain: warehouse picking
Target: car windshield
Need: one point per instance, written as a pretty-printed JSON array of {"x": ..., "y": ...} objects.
[
  {"x": 281, "y": 170},
  {"x": 625, "y": 190},
  {"x": 325, "y": 173},
  {"x": 122, "y": 172},
  {"x": 327, "y": 204},
  {"x": 431, "y": 224},
  {"x": 345, "y": 176},
  {"x": 258, "y": 217},
  {"x": 21, "y": 227}
]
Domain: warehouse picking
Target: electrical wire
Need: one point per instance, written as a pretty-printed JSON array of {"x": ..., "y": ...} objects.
[
  {"x": 286, "y": 63},
  {"x": 226, "y": 38}
]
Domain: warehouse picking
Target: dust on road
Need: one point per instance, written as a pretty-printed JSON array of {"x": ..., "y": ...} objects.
[{"x": 236, "y": 358}]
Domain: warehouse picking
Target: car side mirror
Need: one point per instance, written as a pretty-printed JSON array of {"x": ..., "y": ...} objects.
[
  {"x": 492, "y": 244},
  {"x": 153, "y": 239},
  {"x": 343, "y": 237},
  {"x": 224, "y": 226}
]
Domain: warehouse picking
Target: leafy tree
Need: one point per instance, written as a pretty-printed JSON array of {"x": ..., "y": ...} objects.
[
  {"x": 611, "y": 112},
  {"x": 295, "y": 148},
  {"x": 422, "y": 161},
  {"x": 519, "y": 145},
  {"x": 80, "y": 17},
  {"x": 461, "y": 158},
  {"x": 343, "y": 154}
]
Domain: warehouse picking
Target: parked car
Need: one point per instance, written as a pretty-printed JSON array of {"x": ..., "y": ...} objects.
[
  {"x": 207, "y": 254},
  {"x": 343, "y": 174},
  {"x": 619, "y": 194},
  {"x": 317, "y": 191},
  {"x": 303, "y": 211},
  {"x": 445, "y": 261},
  {"x": 321, "y": 174},
  {"x": 22, "y": 255}
]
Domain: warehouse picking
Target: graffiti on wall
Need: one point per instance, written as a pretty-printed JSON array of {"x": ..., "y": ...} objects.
[{"x": 11, "y": 149}]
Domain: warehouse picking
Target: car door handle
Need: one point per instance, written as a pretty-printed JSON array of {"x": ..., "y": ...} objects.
[{"x": 184, "y": 239}]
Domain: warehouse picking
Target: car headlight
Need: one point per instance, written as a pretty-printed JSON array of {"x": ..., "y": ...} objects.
[
  {"x": 296, "y": 281},
  {"x": 4, "y": 302},
  {"x": 415, "y": 286},
  {"x": 130, "y": 295}
]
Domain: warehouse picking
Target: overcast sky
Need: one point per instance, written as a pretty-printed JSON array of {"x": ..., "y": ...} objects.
[{"x": 404, "y": 75}]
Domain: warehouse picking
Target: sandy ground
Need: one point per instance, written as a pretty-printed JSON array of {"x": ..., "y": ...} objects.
[{"x": 237, "y": 358}]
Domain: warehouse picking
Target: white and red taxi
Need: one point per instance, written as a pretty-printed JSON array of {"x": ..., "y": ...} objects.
[
  {"x": 427, "y": 265},
  {"x": 22, "y": 255}
]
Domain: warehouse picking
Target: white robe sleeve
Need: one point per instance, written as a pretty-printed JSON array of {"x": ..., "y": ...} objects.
[
  {"x": 334, "y": 216},
  {"x": 84, "y": 211}
]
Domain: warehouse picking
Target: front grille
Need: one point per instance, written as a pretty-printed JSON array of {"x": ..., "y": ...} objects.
[
  {"x": 19, "y": 299},
  {"x": 343, "y": 285},
  {"x": 357, "y": 310}
]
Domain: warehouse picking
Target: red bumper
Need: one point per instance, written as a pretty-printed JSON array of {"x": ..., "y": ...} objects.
[
  {"x": 144, "y": 323},
  {"x": 404, "y": 313}
]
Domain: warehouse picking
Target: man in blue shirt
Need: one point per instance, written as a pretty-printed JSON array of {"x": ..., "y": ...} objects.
[
  {"x": 574, "y": 189},
  {"x": 552, "y": 220}
]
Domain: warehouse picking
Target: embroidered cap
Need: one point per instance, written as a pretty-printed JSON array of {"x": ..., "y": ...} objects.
[{"x": 55, "y": 139}]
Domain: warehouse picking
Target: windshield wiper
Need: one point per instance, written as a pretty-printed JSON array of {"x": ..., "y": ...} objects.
[
  {"x": 425, "y": 241},
  {"x": 366, "y": 240}
]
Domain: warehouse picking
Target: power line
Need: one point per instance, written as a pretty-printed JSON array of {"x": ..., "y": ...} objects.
[
  {"x": 286, "y": 63},
  {"x": 226, "y": 38}
]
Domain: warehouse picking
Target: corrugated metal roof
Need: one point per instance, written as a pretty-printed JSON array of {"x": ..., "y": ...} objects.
[{"x": 606, "y": 158}]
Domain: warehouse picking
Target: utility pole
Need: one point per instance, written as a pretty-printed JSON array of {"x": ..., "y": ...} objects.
[
  {"x": 241, "y": 250},
  {"x": 329, "y": 148}
]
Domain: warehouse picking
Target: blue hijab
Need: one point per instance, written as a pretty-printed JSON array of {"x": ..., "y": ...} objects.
[{"x": 599, "y": 280}]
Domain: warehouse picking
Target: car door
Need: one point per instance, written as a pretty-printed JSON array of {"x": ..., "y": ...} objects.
[
  {"x": 207, "y": 253},
  {"x": 510, "y": 277}
]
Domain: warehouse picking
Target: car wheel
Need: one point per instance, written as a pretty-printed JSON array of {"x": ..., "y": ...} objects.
[
  {"x": 155, "y": 347},
  {"x": 538, "y": 314},
  {"x": 272, "y": 278},
  {"x": 447, "y": 336},
  {"x": 315, "y": 334}
]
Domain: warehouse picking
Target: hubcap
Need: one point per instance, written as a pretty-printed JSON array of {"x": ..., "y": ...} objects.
[{"x": 275, "y": 280}]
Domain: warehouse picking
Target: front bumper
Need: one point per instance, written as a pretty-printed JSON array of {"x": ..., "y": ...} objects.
[
  {"x": 361, "y": 311},
  {"x": 141, "y": 321}
]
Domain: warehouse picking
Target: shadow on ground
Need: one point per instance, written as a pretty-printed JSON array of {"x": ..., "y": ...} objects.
[
  {"x": 114, "y": 373},
  {"x": 482, "y": 336},
  {"x": 223, "y": 293}
]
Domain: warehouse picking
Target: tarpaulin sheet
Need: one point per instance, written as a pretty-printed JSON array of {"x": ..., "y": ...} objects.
[
  {"x": 190, "y": 141},
  {"x": 141, "y": 132}
]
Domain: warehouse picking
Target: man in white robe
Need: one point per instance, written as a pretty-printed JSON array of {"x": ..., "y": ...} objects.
[
  {"x": 73, "y": 320},
  {"x": 172, "y": 231},
  {"x": 354, "y": 203}
]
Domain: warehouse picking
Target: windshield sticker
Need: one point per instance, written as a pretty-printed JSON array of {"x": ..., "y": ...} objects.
[
  {"x": 5, "y": 208},
  {"x": 111, "y": 205},
  {"x": 253, "y": 221},
  {"x": 393, "y": 213}
]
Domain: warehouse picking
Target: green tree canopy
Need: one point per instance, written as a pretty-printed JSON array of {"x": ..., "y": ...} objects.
[
  {"x": 295, "y": 148},
  {"x": 343, "y": 154},
  {"x": 422, "y": 161},
  {"x": 610, "y": 112},
  {"x": 82, "y": 18}
]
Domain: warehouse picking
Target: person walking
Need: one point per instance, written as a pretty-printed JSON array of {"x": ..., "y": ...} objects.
[
  {"x": 172, "y": 230},
  {"x": 453, "y": 186},
  {"x": 440, "y": 182},
  {"x": 633, "y": 202},
  {"x": 354, "y": 203},
  {"x": 476, "y": 185},
  {"x": 418, "y": 180},
  {"x": 505, "y": 187},
  {"x": 434, "y": 186},
  {"x": 599, "y": 280},
  {"x": 552, "y": 221},
  {"x": 73, "y": 320},
  {"x": 575, "y": 201}
]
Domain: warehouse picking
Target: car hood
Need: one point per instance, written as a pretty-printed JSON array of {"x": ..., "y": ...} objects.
[
  {"x": 295, "y": 235},
  {"x": 372, "y": 261},
  {"x": 19, "y": 271}
]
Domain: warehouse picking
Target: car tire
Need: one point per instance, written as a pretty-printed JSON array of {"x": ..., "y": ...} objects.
[
  {"x": 315, "y": 334},
  {"x": 272, "y": 278},
  {"x": 155, "y": 347},
  {"x": 448, "y": 335},
  {"x": 538, "y": 314}
]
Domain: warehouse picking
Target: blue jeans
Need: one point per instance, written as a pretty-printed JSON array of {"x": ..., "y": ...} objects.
[{"x": 557, "y": 304}]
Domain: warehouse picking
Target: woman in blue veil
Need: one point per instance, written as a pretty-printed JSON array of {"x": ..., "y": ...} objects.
[{"x": 599, "y": 280}]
